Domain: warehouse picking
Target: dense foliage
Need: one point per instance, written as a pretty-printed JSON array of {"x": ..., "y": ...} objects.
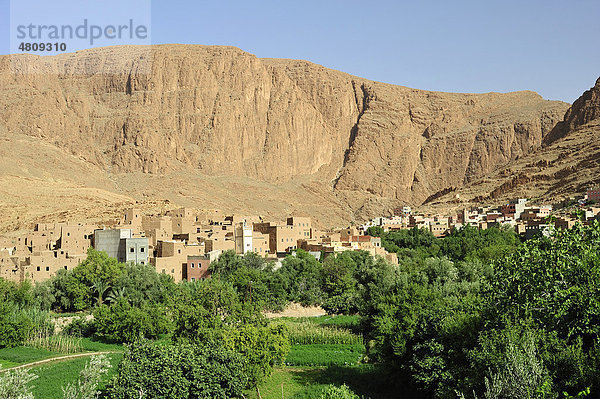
[
  {"x": 485, "y": 318},
  {"x": 477, "y": 313},
  {"x": 179, "y": 371}
]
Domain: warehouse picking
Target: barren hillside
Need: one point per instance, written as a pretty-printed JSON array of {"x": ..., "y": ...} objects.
[
  {"x": 213, "y": 126},
  {"x": 568, "y": 163}
]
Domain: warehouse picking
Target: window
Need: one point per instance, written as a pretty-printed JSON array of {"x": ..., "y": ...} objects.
[
  {"x": 132, "y": 249},
  {"x": 68, "y": 234},
  {"x": 193, "y": 278},
  {"x": 142, "y": 263},
  {"x": 47, "y": 268},
  {"x": 142, "y": 249},
  {"x": 192, "y": 264},
  {"x": 38, "y": 268},
  {"x": 172, "y": 270},
  {"x": 65, "y": 267}
]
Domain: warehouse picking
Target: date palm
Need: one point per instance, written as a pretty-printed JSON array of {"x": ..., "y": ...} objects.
[
  {"x": 115, "y": 295},
  {"x": 100, "y": 287}
]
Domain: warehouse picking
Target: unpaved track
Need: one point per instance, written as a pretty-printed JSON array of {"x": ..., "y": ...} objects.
[{"x": 55, "y": 359}]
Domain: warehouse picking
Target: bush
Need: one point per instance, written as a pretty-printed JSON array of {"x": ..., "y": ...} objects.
[
  {"x": 262, "y": 347},
  {"x": 80, "y": 327},
  {"x": 178, "y": 371},
  {"x": 89, "y": 378},
  {"x": 120, "y": 322},
  {"x": 14, "y": 384},
  {"x": 341, "y": 392},
  {"x": 14, "y": 326}
]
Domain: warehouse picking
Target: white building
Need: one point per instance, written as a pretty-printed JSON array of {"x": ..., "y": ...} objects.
[{"x": 243, "y": 238}]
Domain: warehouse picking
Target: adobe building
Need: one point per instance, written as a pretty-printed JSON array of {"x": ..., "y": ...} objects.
[
  {"x": 197, "y": 268},
  {"x": 171, "y": 258},
  {"x": 260, "y": 243},
  {"x": 514, "y": 207},
  {"x": 302, "y": 225}
]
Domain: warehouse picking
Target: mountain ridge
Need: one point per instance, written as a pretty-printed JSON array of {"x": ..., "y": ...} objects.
[{"x": 207, "y": 111}]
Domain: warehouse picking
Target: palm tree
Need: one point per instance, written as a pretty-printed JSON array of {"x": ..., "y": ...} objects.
[
  {"x": 100, "y": 287},
  {"x": 115, "y": 295}
]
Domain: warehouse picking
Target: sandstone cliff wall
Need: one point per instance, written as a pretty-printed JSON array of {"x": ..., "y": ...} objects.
[{"x": 223, "y": 111}]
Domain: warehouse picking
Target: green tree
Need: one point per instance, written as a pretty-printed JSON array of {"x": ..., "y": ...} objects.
[
  {"x": 121, "y": 322},
  {"x": 261, "y": 346},
  {"x": 178, "y": 371},
  {"x": 304, "y": 278}
]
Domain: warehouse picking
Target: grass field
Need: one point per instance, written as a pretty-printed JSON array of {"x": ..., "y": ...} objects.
[
  {"x": 325, "y": 355},
  {"x": 10, "y": 357},
  {"x": 52, "y": 377},
  {"x": 90, "y": 345},
  {"x": 309, "y": 382}
]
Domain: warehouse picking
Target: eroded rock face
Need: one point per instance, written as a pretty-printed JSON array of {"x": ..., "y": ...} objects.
[
  {"x": 226, "y": 112},
  {"x": 568, "y": 163},
  {"x": 584, "y": 110}
]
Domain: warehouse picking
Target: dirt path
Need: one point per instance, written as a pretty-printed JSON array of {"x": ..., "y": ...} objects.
[
  {"x": 54, "y": 359},
  {"x": 297, "y": 310}
]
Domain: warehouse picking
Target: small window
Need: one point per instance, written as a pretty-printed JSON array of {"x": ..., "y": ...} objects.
[
  {"x": 65, "y": 267},
  {"x": 47, "y": 268},
  {"x": 193, "y": 279},
  {"x": 132, "y": 249},
  {"x": 172, "y": 270},
  {"x": 68, "y": 234},
  {"x": 142, "y": 263},
  {"x": 179, "y": 251},
  {"x": 192, "y": 265},
  {"x": 38, "y": 268},
  {"x": 142, "y": 249}
]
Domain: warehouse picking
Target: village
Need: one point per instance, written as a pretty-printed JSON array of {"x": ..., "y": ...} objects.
[{"x": 183, "y": 242}]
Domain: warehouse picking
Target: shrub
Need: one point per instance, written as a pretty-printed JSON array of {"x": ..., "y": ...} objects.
[
  {"x": 89, "y": 377},
  {"x": 178, "y": 371},
  {"x": 262, "y": 347},
  {"x": 79, "y": 327},
  {"x": 14, "y": 326},
  {"x": 120, "y": 322},
  {"x": 338, "y": 392},
  {"x": 14, "y": 384}
]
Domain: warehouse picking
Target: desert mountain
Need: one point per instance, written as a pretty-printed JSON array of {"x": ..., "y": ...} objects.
[
  {"x": 568, "y": 162},
  {"x": 211, "y": 126}
]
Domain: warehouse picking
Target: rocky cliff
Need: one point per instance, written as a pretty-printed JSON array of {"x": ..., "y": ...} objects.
[
  {"x": 568, "y": 163},
  {"x": 584, "y": 110},
  {"x": 219, "y": 111}
]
